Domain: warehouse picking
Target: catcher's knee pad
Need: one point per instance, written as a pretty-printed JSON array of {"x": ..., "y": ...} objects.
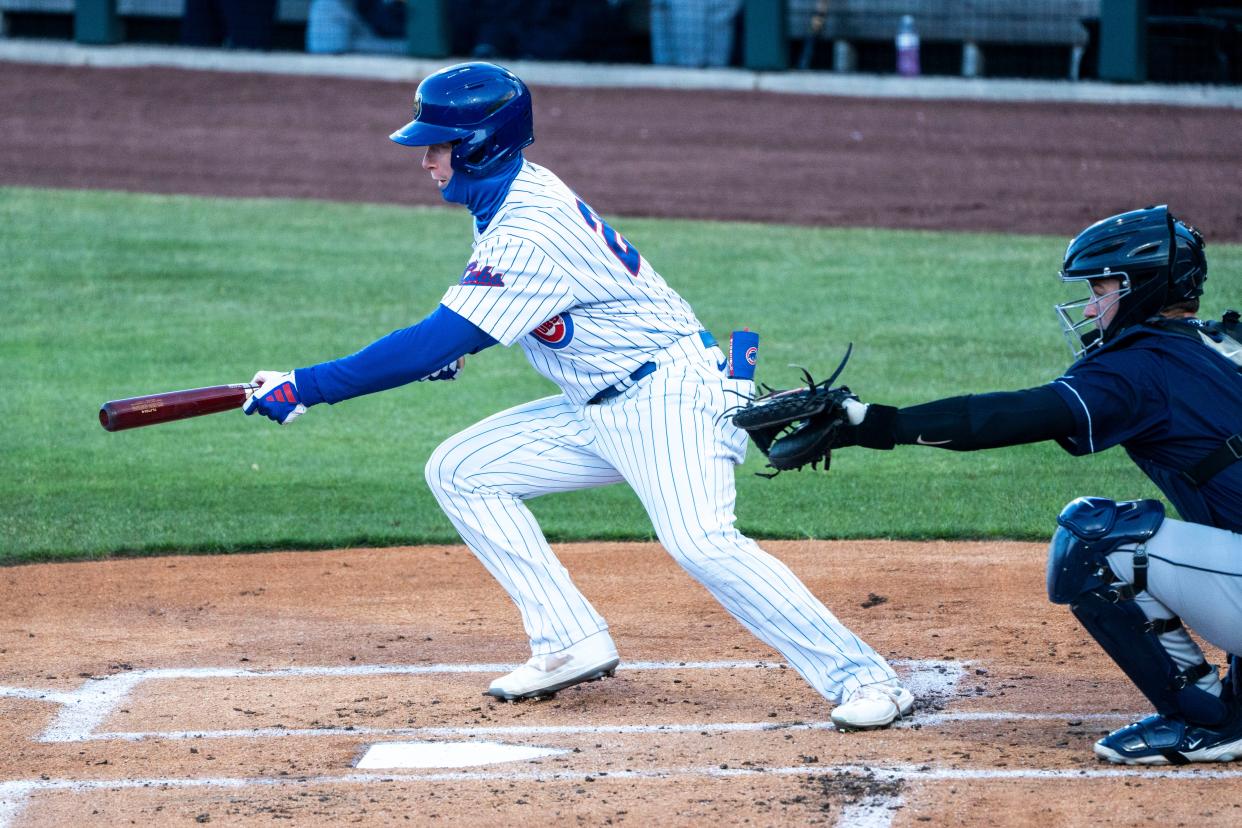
[
  {"x": 1089, "y": 529},
  {"x": 1133, "y": 642}
]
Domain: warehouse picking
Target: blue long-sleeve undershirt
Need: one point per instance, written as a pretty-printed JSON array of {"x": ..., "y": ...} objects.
[{"x": 402, "y": 356}]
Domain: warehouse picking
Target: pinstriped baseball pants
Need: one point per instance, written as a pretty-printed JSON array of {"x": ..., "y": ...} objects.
[{"x": 666, "y": 439}]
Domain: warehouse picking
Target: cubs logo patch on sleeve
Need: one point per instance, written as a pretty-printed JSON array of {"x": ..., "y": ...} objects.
[
  {"x": 483, "y": 276},
  {"x": 556, "y": 332}
]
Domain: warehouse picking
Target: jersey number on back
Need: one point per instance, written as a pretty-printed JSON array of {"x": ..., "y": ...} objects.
[{"x": 620, "y": 248}]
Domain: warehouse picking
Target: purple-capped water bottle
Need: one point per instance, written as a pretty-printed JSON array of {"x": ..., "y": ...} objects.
[
  {"x": 743, "y": 354},
  {"x": 907, "y": 47}
]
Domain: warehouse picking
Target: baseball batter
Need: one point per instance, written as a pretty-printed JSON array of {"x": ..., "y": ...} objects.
[
  {"x": 1166, "y": 386},
  {"x": 643, "y": 392}
]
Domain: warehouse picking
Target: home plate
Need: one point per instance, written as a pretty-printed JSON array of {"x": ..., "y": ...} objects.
[{"x": 448, "y": 754}]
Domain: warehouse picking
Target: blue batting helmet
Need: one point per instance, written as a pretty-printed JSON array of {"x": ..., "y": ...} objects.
[{"x": 483, "y": 110}]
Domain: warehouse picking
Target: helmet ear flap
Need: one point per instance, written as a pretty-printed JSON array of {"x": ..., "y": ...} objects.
[
  {"x": 468, "y": 155},
  {"x": 1187, "y": 264},
  {"x": 508, "y": 130},
  {"x": 1147, "y": 295}
]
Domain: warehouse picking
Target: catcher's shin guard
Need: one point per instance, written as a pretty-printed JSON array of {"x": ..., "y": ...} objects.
[
  {"x": 1133, "y": 642},
  {"x": 1089, "y": 530}
]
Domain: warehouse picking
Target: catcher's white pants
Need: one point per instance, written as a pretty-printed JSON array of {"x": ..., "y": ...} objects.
[
  {"x": 666, "y": 437},
  {"x": 1193, "y": 572}
]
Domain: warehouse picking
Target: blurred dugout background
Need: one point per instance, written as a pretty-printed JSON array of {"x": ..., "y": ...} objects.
[{"x": 1185, "y": 40}]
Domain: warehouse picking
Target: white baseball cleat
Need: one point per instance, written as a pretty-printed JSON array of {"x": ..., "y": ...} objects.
[
  {"x": 873, "y": 706},
  {"x": 591, "y": 659}
]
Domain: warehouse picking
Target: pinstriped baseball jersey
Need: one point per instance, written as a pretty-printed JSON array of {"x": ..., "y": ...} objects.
[{"x": 549, "y": 273}]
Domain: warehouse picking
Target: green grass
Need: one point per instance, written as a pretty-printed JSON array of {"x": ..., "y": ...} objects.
[{"x": 110, "y": 295}]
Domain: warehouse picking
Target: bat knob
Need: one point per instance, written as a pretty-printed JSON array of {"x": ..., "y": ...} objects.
[{"x": 105, "y": 417}]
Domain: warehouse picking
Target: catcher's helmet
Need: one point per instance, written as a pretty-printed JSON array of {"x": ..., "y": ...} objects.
[
  {"x": 483, "y": 110},
  {"x": 1159, "y": 260}
]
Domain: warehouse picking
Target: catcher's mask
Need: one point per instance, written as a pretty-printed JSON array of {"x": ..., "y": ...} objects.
[
  {"x": 482, "y": 109},
  {"x": 1158, "y": 259}
]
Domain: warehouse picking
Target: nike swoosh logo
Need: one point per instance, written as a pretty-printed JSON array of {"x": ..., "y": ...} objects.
[
  {"x": 722, "y": 365},
  {"x": 920, "y": 441}
]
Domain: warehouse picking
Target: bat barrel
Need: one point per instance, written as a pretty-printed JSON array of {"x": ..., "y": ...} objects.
[{"x": 133, "y": 412}]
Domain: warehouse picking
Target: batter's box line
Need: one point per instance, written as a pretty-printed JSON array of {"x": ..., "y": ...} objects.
[
  {"x": 14, "y": 794},
  {"x": 918, "y": 720},
  {"x": 85, "y": 709}
]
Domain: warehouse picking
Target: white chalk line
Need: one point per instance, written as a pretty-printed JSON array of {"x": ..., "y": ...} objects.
[
  {"x": 917, "y": 720},
  {"x": 902, "y": 772},
  {"x": 907, "y": 773},
  {"x": 14, "y": 795},
  {"x": 429, "y": 732},
  {"x": 85, "y": 709},
  {"x": 934, "y": 719},
  {"x": 872, "y": 812}
]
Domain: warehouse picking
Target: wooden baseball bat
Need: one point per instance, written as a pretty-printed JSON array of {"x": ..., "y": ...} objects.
[{"x": 134, "y": 412}]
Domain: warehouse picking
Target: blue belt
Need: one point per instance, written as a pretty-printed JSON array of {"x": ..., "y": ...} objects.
[{"x": 644, "y": 370}]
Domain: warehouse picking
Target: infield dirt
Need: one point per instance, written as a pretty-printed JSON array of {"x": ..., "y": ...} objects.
[{"x": 1004, "y": 739}]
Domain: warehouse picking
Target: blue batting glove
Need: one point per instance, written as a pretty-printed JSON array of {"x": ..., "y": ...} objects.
[
  {"x": 448, "y": 372},
  {"x": 276, "y": 397}
]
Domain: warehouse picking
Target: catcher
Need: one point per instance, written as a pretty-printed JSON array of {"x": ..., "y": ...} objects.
[{"x": 1166, "y": 386}]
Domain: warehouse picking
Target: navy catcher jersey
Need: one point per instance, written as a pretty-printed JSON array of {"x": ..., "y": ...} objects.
[{"x": 1169, "y": 401}]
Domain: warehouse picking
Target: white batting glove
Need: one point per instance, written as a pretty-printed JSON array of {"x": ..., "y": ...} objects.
[
  {"x": 448, "y": 372},
  {"x": 855, "y": 410},
  {"x": 276, "y": 397}
]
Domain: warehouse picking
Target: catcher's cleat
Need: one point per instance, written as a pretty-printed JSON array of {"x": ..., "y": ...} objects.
[
  {"x": 541, "y": 677},
  {"x": 1160, "y": 740},
  {"x": 873, "y": 706}
]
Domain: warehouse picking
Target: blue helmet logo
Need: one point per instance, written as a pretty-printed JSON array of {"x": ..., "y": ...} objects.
[{"x": 482, "y": 109}]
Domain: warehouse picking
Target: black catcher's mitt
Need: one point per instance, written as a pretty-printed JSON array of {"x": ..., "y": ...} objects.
[{"x": 796, "y": 427}]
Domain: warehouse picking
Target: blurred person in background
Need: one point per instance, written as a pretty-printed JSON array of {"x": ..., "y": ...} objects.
[
  {"x": 549, "y": 29},
  {"x": 334, "y": 27},
  {"x": 236, "y": 24},
  {"x": 695, "y": 33}
]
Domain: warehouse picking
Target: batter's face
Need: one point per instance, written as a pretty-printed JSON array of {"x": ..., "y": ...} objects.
[
  {"x": 1103, "y": 305},
  {"x": 437, "y": 161}
]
